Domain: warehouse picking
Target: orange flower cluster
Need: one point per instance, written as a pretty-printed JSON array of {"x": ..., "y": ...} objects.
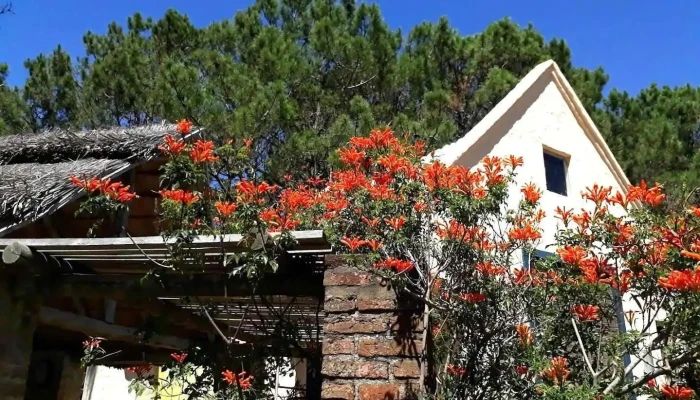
[
  {"x": 456, "y": 370},
  {"x": 597, "y": 194},
  {"x": 677, "y": 392},
  {"x": 532, "y": 193},
  {"x": 353, "y": 243},
  {"x": 180, "y": 196},
  {"x": 203, "y": 152},
  {"x": 686, "y": 280},
  {"x": 487, "y": 268},
  {"x": 557, "y": 373},
  {"x": 179, "y": 357},
  {"x": 473, "y": 297},
  {"x": 585, "y": 312},
  {"x": 527, "y": 337},
  {"x": 526, "y": 232},
  {"x": 114, "y": 190},
  {"x": 652, "y": 196},
  {"x": 400, "y": 266},
  {"x": 249, "y": 192},
  {"x": 573, "y": 255},
  {"x": 172, "y": 147},
  {"x": 225, "y": 209},
  {"x": 92, "y": 343},
  {"x": 242, "y": 379},
  {"x": 184, "y": 127}
]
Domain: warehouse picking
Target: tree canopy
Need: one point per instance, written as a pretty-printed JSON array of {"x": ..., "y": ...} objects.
[{"x": 303, "y": 76}]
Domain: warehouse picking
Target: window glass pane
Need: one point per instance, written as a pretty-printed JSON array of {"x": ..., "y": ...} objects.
[{"x": 555, "y": 172}]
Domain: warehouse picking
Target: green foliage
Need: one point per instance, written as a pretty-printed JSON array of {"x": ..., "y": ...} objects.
[{"x": 298, "y": 77}]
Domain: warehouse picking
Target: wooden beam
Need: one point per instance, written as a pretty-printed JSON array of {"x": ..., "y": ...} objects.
[
  {"x": 125, "y": 287},
  {"x": 17, "y": 253},
  {"x": 68, "y": 245},
  {"x": 93, "y": 327}
]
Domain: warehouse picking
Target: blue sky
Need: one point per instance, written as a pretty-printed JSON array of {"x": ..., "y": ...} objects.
[{"x": 637, "y": 42}]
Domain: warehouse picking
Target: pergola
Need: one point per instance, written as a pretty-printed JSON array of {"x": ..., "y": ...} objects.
[{"x": 197, "y": 296}]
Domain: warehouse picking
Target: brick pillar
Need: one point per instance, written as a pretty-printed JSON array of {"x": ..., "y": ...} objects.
[
  {"x": 18, "y": 310},
  {"x": 372, "y": 340}
]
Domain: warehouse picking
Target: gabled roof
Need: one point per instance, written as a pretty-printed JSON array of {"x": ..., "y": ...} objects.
[
  {"x": 35, "y": 168},
  {"x": 450, "y": 153}
]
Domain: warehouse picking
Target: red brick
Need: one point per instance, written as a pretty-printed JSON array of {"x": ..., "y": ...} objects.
[
  {"x": 349, "y": 278},
  {"x": 340, "y": 299},
  {"x": 406, "y": 369},
  {"x": 371, "y": 347},
  {"x": 383, "y": 391},
  {"x": 349, "y": 367},
  {"x": 333, "y": 345},
  {"x": 362, "y": 323},
  {"x": 372, "y": 370},
  {"x": 337, "y": 391}
]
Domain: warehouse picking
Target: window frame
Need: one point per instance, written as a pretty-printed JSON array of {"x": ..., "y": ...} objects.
[{"x": 566, "y": 159}]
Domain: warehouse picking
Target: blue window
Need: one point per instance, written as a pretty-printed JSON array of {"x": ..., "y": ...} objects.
[{"x": 555, "y": 172}]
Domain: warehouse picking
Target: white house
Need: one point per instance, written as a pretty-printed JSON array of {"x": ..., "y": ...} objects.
[{"x": 543, "y": 121}]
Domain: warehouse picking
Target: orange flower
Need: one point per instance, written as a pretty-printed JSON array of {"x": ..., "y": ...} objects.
[
  {"x": 352, "y": 157},
  {"x": 92, "y": 343},
  {"x": 89, "y": 185},
  {"x": 395, "y": 223},
  {"x": 514, "y": 161},
  {"x": 572, "y": 254},
  {"x": 619, "y": 198},
  {"x": 179, "y": 357},
  {"x": 225, "y": 209},
  {"x": 487, "y": 268},
  {"x": 525, "y": 334},
  {"x": 677, "y": 392},
  {"x": 585, "y": 312},
  {"x": 360, "y": 142},
  {"x": 651, "y": 196},
  {"x": 184, "y": 127},
  {"x": 688, "y": 254},
  {"x": 172, "y": 146},
  {"x": 597, "y": 194},
  {"x": 394, "y": 164},
  {"x": 456, "y": 370},
  {"x": 179, "y": 195},
  {"x": 695, "y": 211},
  {"x": 532, "y": 194},
  {"x": 117, "y": 191},
  {"x": 557, "y": 372},
  {"x": 371, "y": 223},
  {"x": 682, "y": 281},
  {"x": 374, "y": 244},
  {"x": 435, "y": 176},
  {"x": 400, "y": 266},
  {"x": 353, "y": 243},
  {"x": 473, "y": 297},
  {"x": 420, "y": 207},
  {"x": 527, "y": 232},
  {"x": 382, "y": 138},
  {"x": 564, "y": 215},
  {"x": 249, "y": 192},
  {"x": 240, "y": 379},
  {"x": 202, "y": 152}
]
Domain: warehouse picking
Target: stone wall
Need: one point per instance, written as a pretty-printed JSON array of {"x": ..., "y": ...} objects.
[
  {"x": 18, "y": 310},
  {"x": 372, "y": 340}
]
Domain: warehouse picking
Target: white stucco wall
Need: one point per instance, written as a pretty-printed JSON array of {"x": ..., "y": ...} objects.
[{"x": 529, "y": 128}]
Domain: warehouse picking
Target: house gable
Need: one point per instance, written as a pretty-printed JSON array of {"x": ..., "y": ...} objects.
[{"x": 542, "y": 114}]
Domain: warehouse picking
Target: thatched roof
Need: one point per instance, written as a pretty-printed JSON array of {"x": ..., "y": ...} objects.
[
  {"x": 35, "y": 168},
  {"x": 61, "y": 145}
]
